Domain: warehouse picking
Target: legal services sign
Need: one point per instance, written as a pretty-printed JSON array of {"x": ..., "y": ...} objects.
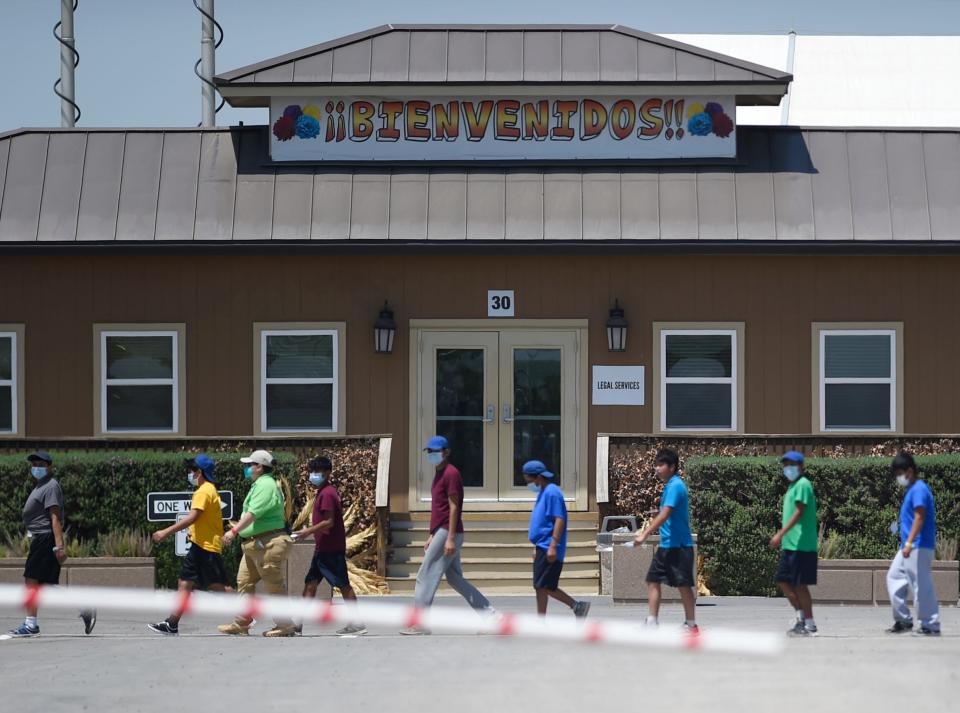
[{"x": 469, "y": 128}]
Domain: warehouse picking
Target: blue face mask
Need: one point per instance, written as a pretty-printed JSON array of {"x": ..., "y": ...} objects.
[
  {"x": 192, "y": 479},
  {"x": 534, "y": 487},
  {"x": 316, "y": 479},
  {"x": 791, "y": 472},
  {"x": 434, "y": 458},
  {"x": 248, "y": 472},
  {"x": 38, "y": 472}
]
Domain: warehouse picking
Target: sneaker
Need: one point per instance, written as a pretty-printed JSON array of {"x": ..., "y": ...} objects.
[
  {"x": 281, "y": 631},
  {"x": 163, "y": 627},
  {"x": 899, "y": 627},
  {"x": 924, "y": 631},
  {"x": 811, "y": 630},
  {"x": 23, "y": 632},
  {"x": 692, "y": 629},
  {"x": 89, "y": 620},
  {"x": 799, "y": 629},
  {"x": 298, "y": 629},
  {"x": 352, "y": 630},
  {"x": 233, "y": 629},
  {"x": 415, "y": 631},
  {"x": 651, "y": 622},
  {"x": 581, "y": 609}
]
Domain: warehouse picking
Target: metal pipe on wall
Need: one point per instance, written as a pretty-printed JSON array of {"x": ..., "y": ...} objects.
[
  {"x": 208, "y": 64},
  {"x": 65, "y": 87}
]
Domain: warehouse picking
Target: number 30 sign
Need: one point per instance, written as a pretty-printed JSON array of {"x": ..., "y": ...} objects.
[{"x": 500, "y": 303}]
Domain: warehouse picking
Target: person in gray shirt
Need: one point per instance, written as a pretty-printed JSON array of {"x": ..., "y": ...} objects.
[{"x": 43, "y": 517}]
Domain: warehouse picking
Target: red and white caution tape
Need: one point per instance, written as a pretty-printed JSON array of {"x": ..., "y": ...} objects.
[{"x": 389, "y": 614}]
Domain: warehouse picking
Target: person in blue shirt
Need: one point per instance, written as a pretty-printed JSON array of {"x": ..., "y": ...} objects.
[
  {"x": 548, "y": 535},
  {"x": 911, "y": 568},
  {"x": 673, "y": 560}
]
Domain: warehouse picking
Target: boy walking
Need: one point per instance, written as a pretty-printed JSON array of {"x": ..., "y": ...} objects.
[
  {"x": 548, "y": 535},
  {"x": 911, "y": 568},
  {"x": 202, "y": 568},
  {"x": 43, "y": 518},
  {"x": 673, "y": 560},
  {"x": 442, "y": 550},
  {"x": 330, "y": 553},
  {"x": 798, "y": 542}
]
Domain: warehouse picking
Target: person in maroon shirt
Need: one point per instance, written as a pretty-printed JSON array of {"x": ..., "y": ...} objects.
[
  {"x": 442, "y": 550},
  {"x": 330, "y": 554}
]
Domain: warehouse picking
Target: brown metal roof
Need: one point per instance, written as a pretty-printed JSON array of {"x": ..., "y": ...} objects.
[
  {"x": 499, "y": 54},
  {"x": 108, "y": 186}
]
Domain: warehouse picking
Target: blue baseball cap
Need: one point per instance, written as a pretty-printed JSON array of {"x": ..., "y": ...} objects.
[
  {"x": 437, "y": 443},
  {"x": 40, "y": 455},
  {"x": 204, "y": 463},
  {"x": 793, "y": 457},
  {"x": 536, "y": 467}
]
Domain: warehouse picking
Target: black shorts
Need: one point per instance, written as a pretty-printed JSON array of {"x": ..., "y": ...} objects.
[
  {"x": 797, "y": 567},
  {"x": 546, "y": 575},
  {"x": 331, "y": 566},
  {"x": 203, "y": 568},
  {"x": 673, "y": 565},
  {"x": 42, "y": 564}
]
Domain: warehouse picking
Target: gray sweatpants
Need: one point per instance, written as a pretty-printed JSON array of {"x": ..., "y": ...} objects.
[
  {"x": 914, "y": 574},
  {"x": 436, "y": 565}
]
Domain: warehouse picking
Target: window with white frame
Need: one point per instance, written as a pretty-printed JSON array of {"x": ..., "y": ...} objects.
[
  {"x": 858, "y": 380},
  {"x": 698, "y": 380},
  {"x": 139, "y": 381},
  {"x": 299, "y": 380},
  {"x": 8, "y": 382}
]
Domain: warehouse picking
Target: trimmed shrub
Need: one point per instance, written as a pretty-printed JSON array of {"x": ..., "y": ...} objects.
[{"x": 736, "y": 502}]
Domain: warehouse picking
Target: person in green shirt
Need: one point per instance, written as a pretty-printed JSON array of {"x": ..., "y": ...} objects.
[
  {"x": 266, "y": 541},
  {"x": 797, "y": 540}
]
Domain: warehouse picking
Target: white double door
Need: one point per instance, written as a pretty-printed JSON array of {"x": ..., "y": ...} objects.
[{"x": 501, "y": 398}]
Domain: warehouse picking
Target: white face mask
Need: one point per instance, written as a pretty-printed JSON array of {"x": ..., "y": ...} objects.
[
  {"x": 38, "y": 472},
  {"x": 434, "y": 458},
  {"x": 791, "y": 472},
  {"x": 902, "y": 480},
  {"x": 192, "y": 479},
  {"x": 534, "y": 487},
  {"x": 316, "y": 479}
]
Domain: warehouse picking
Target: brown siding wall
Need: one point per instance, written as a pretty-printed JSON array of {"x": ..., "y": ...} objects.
[{"x": 219, "y": 298}]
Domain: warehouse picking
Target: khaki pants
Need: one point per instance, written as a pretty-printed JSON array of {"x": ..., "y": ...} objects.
[{"x": 264, "y": 559}]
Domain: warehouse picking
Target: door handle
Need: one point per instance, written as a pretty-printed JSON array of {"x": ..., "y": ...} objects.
[
  {"x": 506, "y": 414},
  {"x": 491, "y": 415}
]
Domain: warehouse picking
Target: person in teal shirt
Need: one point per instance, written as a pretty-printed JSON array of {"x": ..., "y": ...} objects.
[
  {"x": 266, "y": 545},
  {"x": 798, "y": 543}
]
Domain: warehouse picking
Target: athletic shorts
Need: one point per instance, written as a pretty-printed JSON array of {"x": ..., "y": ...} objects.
[
  {"x": 42, "y": 564},
  {"x": 546, "y": 575},
  {"x": 673, "y": 566},
  {"x": 331, "y": 566},
  {"x": 203, "y": 568},
  {"x": 797, "y": 567}
]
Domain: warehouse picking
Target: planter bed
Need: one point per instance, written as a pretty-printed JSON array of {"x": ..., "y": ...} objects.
[
  {"x": 91, "y": 571},
  {"x": 865, "y": 581}
]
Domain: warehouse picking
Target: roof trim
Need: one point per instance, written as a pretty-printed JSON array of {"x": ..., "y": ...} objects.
[{"x": 230, "y": 77}]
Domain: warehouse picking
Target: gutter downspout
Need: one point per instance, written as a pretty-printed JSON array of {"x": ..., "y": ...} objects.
[{"x": 791, "y": 54}]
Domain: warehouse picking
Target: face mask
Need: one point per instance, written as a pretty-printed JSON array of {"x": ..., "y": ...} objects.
[
  {"x": 38, "y": 472},
  {"x": 533, "y": 487},
  {"x": 192, "y": 479},
  {"x": 791, "y": 472},
  {"x": 316, "y": 479},
  {"x": 434, "y": 458},
  {"x": 903, "y": 481},
  {"x": 248, "y": 472}
]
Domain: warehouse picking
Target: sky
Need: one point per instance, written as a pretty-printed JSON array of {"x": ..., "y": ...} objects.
[{"x": 137, "y": 56}]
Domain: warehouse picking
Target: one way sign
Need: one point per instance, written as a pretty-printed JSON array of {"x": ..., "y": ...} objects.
[{"x": 164, "y": 507}]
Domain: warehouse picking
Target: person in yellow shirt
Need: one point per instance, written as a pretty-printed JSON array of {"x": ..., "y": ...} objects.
[{"x": 203, "y": 566}]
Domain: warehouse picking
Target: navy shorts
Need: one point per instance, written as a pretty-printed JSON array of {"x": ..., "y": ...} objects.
[
  {"x": 797, "y": 567},
  {"x": 673, "y": 566},
  {"x": 42, "y": 564},
  {"x": 203, "y": 568},
  {"x": 331, "y": 566},
  {"x": 546, "y": 575}
]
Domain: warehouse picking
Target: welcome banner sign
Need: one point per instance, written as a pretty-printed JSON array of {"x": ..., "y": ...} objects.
[{"x": 451, "y": 128}]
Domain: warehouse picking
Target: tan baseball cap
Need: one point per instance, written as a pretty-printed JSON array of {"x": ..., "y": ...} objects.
[{"x": 259, "y": 457}]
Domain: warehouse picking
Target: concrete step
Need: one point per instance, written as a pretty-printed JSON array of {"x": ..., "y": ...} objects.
[
  {"x": 491, "y": 535},
  {"x": 489, "y": 551},
  {"x": 574, "y": 583},
  {"x": 480, "y": 568}
]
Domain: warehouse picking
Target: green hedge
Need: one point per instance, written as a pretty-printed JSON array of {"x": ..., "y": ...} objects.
[
  {"x": 735, "y": 505},
  {"x": 108, "y": 492}
]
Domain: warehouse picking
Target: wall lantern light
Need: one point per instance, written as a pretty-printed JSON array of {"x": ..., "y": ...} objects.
[
  {"x": 384, "y": 330},
  {"x": 616, "y": 329}
]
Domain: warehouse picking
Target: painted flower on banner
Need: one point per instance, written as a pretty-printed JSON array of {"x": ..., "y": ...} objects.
[
  {"x": 302, "y": 123},
  {"x": 307, "y": 127},
  {"x": 312, "y": 110},
  {"x": 700, "y": 124},
  {"x": 284, "y": 128},
  {"x": 293, "y": 111},
  {"x": 694, "y": 109},
  {"x": 722, "y": 125}
]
